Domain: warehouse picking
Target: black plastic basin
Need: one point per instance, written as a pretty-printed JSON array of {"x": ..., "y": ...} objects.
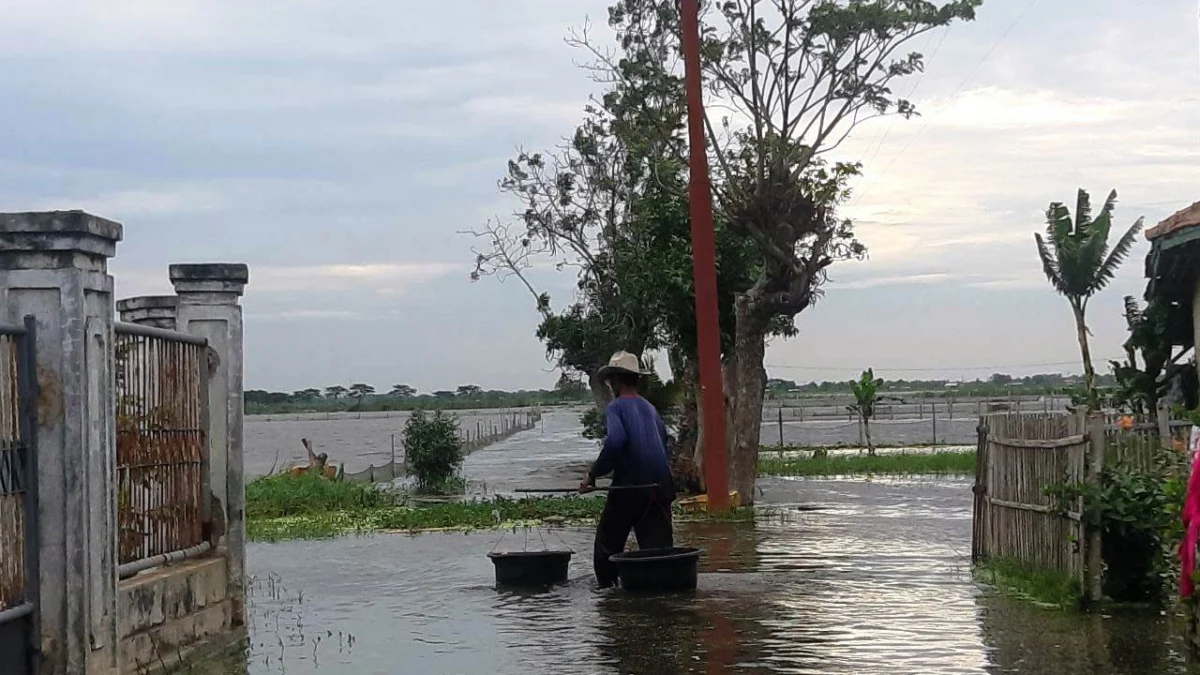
[
  {"x": 656, "y": 570},
  {"x": 531, "y": 568}
]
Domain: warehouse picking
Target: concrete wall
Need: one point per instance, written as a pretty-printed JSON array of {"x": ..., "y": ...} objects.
[
  {"x": 176, "y": 613},
  {"x": 54, "y": 267}
]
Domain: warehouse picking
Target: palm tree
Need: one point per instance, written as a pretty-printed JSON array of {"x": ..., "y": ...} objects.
[{"x": 1078, "y": 263}]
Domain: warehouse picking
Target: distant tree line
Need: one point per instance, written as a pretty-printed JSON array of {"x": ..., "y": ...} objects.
[
  {"x": 997, "y": 384},
  {"x": 361, "y": 396}
]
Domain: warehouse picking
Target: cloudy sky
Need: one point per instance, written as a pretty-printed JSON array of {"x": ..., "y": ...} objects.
[{"x": 340, "y": 148}]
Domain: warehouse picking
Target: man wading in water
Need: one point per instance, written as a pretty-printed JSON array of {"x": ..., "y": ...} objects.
[{"x": 635, "y": 452}]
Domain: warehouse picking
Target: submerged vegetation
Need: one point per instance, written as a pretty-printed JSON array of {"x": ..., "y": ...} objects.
[
  {"x": 309, "y": 507},
  {"x": 898, "y": 464}
]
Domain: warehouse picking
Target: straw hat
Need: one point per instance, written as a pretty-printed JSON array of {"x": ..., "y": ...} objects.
[{"x": 623, "y": 362}]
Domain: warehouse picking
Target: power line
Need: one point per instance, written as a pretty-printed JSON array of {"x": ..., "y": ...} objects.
[
  {"x": 957, "y": 89},
  {"x": 909, "y": 96}
]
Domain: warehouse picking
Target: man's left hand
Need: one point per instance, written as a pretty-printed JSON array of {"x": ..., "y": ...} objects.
[{"x": 587, "y": 485}]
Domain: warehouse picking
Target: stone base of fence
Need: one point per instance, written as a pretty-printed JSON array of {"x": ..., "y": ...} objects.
[{"x": 176, "y": 614}]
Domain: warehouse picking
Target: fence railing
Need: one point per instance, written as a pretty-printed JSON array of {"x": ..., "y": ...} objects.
[
  {"x": 161, "y": 397},
  {"x": 1142, "y": 442},
  {"x": 1019, "y": 455},
  {"x": 18, "y": 467}
]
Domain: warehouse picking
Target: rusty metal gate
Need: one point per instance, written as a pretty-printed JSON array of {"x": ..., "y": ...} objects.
[
  {"x": 18, "y": 500},
  {"x": 161, "y": 385}
]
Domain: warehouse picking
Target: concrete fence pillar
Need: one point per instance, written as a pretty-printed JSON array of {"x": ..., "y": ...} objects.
[
  {"x": 208, "y": 307},
  {"x": 54, "y": 266},
  {"x": 156, "y": 311}
]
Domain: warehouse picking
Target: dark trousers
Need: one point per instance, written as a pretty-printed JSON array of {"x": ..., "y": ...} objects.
[{"x": 647, "y": 512}]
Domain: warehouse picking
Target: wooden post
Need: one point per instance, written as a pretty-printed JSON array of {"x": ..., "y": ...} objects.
[
  {"x": 979, "y": 515},
  {"x": 1164, "y": 425},
  {"x": 1094, "y": 467},
  {"x": 781, "y": 426},
  {"x": 920, "y": 409},
  {"x": 393, "y": 456},
  {"x": 934, "y": 407}
]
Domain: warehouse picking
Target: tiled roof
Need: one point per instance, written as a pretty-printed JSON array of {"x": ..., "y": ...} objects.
[{"x": 1189, "y": 217}]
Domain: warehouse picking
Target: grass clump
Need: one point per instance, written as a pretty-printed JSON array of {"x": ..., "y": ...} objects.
[
  {"x": 282, "y": 495},
  {"x": 1048, "y": 588},
  {"x": 899, "y": 464}
]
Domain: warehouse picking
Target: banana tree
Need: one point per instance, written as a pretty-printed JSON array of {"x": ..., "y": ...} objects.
[
  {"x": 1078, "y": 263},
  {"x": 866, "y": 395}
]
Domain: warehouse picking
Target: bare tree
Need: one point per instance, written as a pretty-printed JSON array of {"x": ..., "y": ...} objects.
[{"x": 791, "y": 79}]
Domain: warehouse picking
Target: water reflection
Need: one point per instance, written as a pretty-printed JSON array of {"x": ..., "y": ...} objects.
[{"x": 1023, "y": 639}]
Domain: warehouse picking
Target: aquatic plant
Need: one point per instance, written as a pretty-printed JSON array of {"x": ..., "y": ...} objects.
[
  {"x": 498, "y": 512},
  {"x": 898, "y": 464},
  {"x": 285, "y": 495}
]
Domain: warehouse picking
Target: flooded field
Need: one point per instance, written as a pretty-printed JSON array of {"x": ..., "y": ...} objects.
[
  {"x": 845, "y": 576},
  {"x": 359, "y": 442}
]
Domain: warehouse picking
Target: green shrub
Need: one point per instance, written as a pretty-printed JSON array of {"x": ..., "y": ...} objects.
[
  {"x": 1137, "y": 511},
  {"x": 433, "y": 450}
]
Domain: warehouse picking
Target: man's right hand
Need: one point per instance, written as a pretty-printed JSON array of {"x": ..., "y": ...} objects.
[{"x": 587, "y": 485}]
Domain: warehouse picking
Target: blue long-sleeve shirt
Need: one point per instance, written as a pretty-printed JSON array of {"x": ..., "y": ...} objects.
[{"x": 635, "y": 444}]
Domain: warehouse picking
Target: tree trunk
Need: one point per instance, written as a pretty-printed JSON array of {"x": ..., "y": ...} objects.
[
  {"x": 867, "y": 432},
  {"x": 748, "y": 384},
  {"x": 1089, "y": 374},
  {"x": 684, "y": 466}
]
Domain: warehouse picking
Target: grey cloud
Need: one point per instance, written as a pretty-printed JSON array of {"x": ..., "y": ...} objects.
[{"x": 309, "y": 136}]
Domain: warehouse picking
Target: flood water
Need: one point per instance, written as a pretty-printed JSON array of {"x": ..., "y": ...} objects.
[
  {"x": 840, "y": 576},
  {"x": 274, "y": 441}
]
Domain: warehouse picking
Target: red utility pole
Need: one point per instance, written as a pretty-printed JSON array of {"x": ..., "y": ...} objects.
[{"x": 704, "y": 269}]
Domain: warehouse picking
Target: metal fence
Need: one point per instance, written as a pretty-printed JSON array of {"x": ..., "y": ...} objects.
[
  {"x": 18, "y": 485},
  {"x": 161, "y": 393}
]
